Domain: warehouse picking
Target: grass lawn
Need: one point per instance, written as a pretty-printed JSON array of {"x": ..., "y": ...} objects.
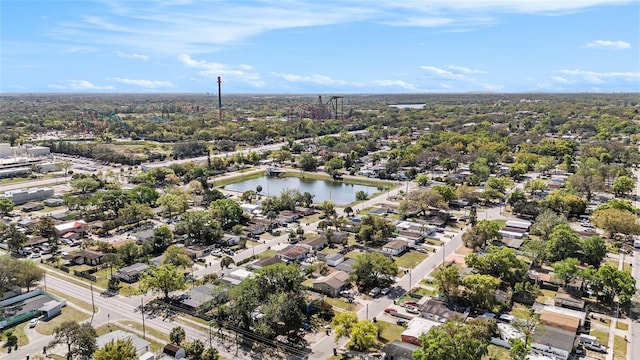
[
  {"x": 341, "y": 304},
  {"x": 622, "y": 325},
  {"x": 424, "y": 292},
  {"x": 410, "y": 259},
  {"x": 68, "y": 314},
  {"x": 496, "y": 352},
  {"x": 603, "y": 336},
  {"x": 151, "y": 331},
  {"x": 311, "y": 218},
  {"x": 433, "y": 242},
  {"x": 56, "y": 357},
  {"x": 388, "y": 332},
  {"x": 18, "y": 330},
  {"x": 353, "y": 254},
  {"x": 104, "y": 329},
  {"x": 83, "y": 304},
  {"x": 340, "y": 357},
  {"x": 546, "y": 293},
  {"x": 500, "y": 223},
  {"x": 619, "y": 348},
  {"x": 267, "y": 253},
  {"x": 329, "y": 251}
]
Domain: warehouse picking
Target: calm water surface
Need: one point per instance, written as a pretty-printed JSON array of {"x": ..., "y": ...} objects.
[{"x": 336, "y": 191}]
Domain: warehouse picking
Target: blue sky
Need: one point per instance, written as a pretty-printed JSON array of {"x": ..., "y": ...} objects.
[{"x": 310, "y": 46}]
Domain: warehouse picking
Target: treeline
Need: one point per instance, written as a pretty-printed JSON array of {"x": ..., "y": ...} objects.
[{"x": 101, "y": 153}]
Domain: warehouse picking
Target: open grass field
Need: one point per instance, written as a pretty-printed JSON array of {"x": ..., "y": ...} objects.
[
  {"x": 18, "y": 331},
  {"x": 388, "y": 332},
  {"x": 341, "y": 304},
  {"x": 68, "y": 314},
  {"x": 149, "y": 330},
  {"x": 410, "y": 259},
  {"x": 619, "y": 348},
  {"x": 622, "y": 325},
  {"x": 603, "y": 336}
]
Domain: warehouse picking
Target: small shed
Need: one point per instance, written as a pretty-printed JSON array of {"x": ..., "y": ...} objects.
[
  {"x": 32, "y": 206},
  {"x": 175, "y": 351},
  {"x": 50, "y": 309}
]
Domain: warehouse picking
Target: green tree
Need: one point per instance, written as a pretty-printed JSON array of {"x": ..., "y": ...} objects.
[
  {"x": 545, "y": 222},
  {"x": 79, "y": 338},
  {"x": 177, "y": 335},
  {"x": 200, "y": 226},
  {"x": 528, "y": 324},
  {"x": 196, "y": 348},
  {"x": 422, "y": 179},
  {"x": 535, "y": 185},
  {"x": 6, "y": 206},
  {"x": 447, "y": 281},
  {"x": 226, "y": 262},
  {"x": 595, "y": 250},
  {"x": 165, "y": 279},
  {"x": 500, "y": 262},
  {"x": 348, "y": 210},
  {"x": 616, "y": 282},
  {"x": 128, "y": 253},
  {"x": 587, "y": 180},
  {"x": 28, "y": 274},
  {"x": 342, "y": 324},
  {"x": 226, "y": 211},
  {"x": 172, "y": 204},
  {"x": 176, "y": 256},
  {"x": 563, "y": 243},
  {"x": 566, "y": 269},
  {"x": 116, "y": 350},
  {"x": 480, "y": 289},
  {"x": 452, "y": 340},
  {"x": 623, "y": 185},
  {"x": 517, "y": 170},
  {"x": 307, "y": 162},
  {"x": 85, "y": 184},
  {"x": 615, "y": 221},
  {"x": 447, "y": 192},
  {"x": 481, "y": 233},
  {"x": 363, "y": 336},
  {"x": 14, "y": 238},
  {"x": 162, "y": 237},
  {"x": 210, "y": 353},
  {"x": 374, "y": 269},
  {"x": 361, "y": 195}
]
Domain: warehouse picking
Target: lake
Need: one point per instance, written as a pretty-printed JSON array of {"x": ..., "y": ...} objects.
[{"x": 340, "y": 193}]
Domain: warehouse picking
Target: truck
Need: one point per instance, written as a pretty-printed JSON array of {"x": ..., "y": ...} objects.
[{"x": 636, "y": 243}]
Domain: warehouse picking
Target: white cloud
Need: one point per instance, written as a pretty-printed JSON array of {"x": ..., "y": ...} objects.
[
  {"x": 395, "y": 83},
  {"x": 452, "y": 72},
  {"x": 313, "y": 79},
  {"x": 595, "y": 77},
  {"x": 86, "y": 85},
  {"x": 608, "y": 44},
  {"x": 149, "y": 84},
  {"x": 560, "y": 79},
  {"x": 465, "y": 70},
  {"x": 132, "y": 56},
  {"x": 213, "y": 69}
]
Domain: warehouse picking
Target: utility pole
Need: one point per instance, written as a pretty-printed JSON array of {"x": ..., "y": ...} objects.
[
  {"x": 44, "y": 277},
  {"x": 219, "y": 98},
  {"x": 93, "y": 305},
  {"x": 144, "y": 333}
]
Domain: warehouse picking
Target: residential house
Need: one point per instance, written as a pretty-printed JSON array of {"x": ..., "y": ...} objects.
[
  {"x": 251, "y": 209},
  {"x": 518, "y": 224},
  {"x": 334, "y": 259},
  {"x": 512, "y": 232},
  {"x": 305, "y": 211},
  {"x": 78, "y": 227},
  {"x": 568, "y": 300},
  {"x": 174, "y": 351},
  {"x": 235, "y": 276},
  {"x": 346, "y": 265},
  {"x": 195, "y": 251},
  {"x": 416, "y": 327},
  {"x": 378, "y": 211},
  {"x": 292, "y": 253},
  {"x": 230, "y": 240},
  {"x": 411, "y": 237},
  {"x": 399, "y": 350},
  {"x": 258, "y": 264},
  {"x": 394, "y": 247},
  {"x": 32, "y": 206},
  {"x": 332, "y": 284},
  {"x": 141, "y": 345},
  {"x": 337, "y": 237},
  {"x": 143, "y": 236},
  {"x": 131, "y": 274},
  {"x": 315, "y": 243},
  {"x": 53, "y": 202},
  {"x": 560, "y": 329},
  {"x": 441, "y": 311},
  {"x": 287, "y": 216},
  {"x": 88, "y": 257},
  {"x": 199, "y": 298}
]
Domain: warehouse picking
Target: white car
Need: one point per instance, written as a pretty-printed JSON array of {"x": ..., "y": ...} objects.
[
  {"x": 33, "y": 323},
  {"x": 412, "y": 309}
]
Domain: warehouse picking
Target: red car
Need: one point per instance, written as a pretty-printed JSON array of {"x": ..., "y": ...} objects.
[
  {"x": 390, "y": 310},
  {"x": 410, "y": 303}
]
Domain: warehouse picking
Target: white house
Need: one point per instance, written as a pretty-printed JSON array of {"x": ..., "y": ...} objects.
[{"x": 394, "y": 247}]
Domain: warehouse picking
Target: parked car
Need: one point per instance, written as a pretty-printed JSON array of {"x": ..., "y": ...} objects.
[
  {"x": 401, "y": 322},
  {"x": 201, "y": 259},
  {"x": 412, "y": 310},
  {"x": 385, "y": 291},
  {"x": 390, "y": 310},
  {"x": 33, "y": 323},
  {"x": 410, "y": 303},
  {"x": 374, "y": 292},
  {"x": 595, "y": 347},
  {"x": 36, "y": 255}
]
